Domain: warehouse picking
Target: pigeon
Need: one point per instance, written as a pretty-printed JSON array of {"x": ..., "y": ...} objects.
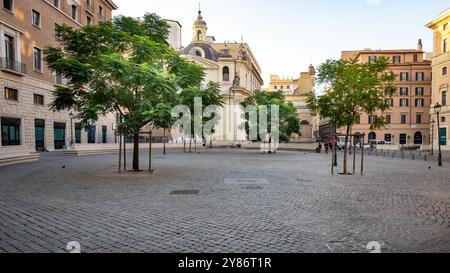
[
  {"x": 64, "y": 166},
  {"x": 429, "y": 168}
]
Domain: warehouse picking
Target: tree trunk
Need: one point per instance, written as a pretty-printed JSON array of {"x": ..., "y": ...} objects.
[
  {"x": 136, "y": 152},
  {"x": 346, "y": 151}
]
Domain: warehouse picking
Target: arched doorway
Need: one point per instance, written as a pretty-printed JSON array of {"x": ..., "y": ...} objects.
[
  {"x": 372, "y": 136},
  {"x": 305, "y": 129},
  {"x": 418, "y": 138}
]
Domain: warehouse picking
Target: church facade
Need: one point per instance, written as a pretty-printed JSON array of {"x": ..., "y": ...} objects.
[
  {"x": 296, "y": 91},
  {"x": 235, "y": 68}
]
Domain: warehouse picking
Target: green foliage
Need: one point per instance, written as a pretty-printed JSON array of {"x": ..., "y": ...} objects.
[
  {"x": 353, "y": 88},
  {"x": 210, "y": 95},
  {"x": 288, "y": 117},
  {"x": 125, "y": 67}
]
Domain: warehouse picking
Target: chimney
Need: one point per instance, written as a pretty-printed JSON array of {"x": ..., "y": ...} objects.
[{"x": 420, "y": 45}]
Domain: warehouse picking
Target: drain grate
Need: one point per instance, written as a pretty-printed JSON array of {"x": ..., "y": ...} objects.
[
  {"x": 185, "y": 192},
  {"x": 246, "y": 181}
]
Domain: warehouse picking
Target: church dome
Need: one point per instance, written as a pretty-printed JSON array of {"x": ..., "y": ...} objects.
[{"x": 201, "y": 50}]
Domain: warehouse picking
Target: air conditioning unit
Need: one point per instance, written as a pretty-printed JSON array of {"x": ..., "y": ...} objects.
[{"x": 74, "y": 2}]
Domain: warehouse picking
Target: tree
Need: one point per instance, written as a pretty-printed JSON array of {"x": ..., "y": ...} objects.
[
  {"x": 211, "y": 97},
  {"x": 289, "y": 122},
  {"x": 353, "y": 88},
  {"x": 125, "y": 67}
]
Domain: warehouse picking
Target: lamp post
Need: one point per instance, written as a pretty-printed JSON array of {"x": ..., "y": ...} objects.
[
  {"x": 72, "y": 142},
  {"x": 437, "y": 109},
  {"x": 432, "y": 137}
]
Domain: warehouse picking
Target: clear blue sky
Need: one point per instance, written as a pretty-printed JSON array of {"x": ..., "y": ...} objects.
[{"x": 285, "y": 35}]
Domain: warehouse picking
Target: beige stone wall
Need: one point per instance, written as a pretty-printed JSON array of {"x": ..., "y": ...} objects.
[
  {"x": 441, "y": 83},
  {"x": 25, "y": 110},
  {"x": 396, "y": 128}
]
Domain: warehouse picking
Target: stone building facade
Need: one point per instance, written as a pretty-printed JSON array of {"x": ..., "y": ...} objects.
[
  {"x": 296, "y": 91},
  {"x": 235, "y": 68},
  {"x": 26, "y": 83},
  {"x": 408, "y": 119},
  {"x": 441, "y": 78}
]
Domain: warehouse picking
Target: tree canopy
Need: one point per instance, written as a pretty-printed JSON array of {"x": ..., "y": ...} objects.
[
  {"x": 289, "y": 122},
  {"x": 353, "y": 88},
  {"x": 125, "y": 66}
]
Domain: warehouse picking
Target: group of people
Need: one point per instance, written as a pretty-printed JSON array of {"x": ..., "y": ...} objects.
[{"x": 327, "y": 143}]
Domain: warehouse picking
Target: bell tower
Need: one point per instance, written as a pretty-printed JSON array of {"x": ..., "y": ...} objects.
[{"x": 199, "y": 29}]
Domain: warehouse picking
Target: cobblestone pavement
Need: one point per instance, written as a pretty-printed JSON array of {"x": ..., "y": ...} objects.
[{"x": 402, "y": 204}]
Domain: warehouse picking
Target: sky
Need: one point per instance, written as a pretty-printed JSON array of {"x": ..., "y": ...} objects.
[{"x": 287, "y": 35}]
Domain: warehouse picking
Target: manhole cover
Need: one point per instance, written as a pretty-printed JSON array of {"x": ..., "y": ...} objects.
[
  {"x": 246, "y": 181},
  {"x": 185, "y": 192}
]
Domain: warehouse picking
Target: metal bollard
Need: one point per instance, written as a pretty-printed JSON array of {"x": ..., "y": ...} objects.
[
  {"x": 425, "y": 157},
  {"x": 413, "y": 156},
  {"x": 403, "y": 154}
]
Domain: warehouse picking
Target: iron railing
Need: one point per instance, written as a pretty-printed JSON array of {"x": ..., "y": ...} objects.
[{"x": 12, "y": 65}]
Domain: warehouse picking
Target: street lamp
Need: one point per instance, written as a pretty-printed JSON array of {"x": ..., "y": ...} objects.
[
  {"x": 72, "y": 142},
  {"x": 437, "y": 109},
  {"x": 432, "y": 136}
]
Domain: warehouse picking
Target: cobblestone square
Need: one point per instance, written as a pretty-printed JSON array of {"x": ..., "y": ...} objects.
[{"x": 298, "y": 207}]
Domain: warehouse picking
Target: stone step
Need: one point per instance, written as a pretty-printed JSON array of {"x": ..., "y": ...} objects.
[{"x": 18, "y": 159}]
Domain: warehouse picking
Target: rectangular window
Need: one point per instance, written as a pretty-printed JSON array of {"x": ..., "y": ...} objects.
[
  {"x": 390, "y": 102},
  {"x": 404, "y": 102},
  {"x": 445, "y": 26},
  {"x": 372, "y": 59},
  {"x": 36, "y": 18},
  {"x": 358, "y": 120},
  {"x": 59, "y": 135},
  {"x": 10, "y": 52},
  {"x": 88, "y": 20},
  {"x": 445, "y": 45},
  {"x": 11, "y": 94},
  {"x": 101, "y": 15},
  {"x": 444, "y": 71},
  {"x": 403, "y": 119},
  {"x": 388, "y": 119},
  {"x": 404, "y": 91},
  {"x": 396, "y": 59},
  {"x": 8, "y": 4},
  {"x": 56, "y": 3},
  {"x": 404, "y": 76},
  {"x": 37, "y": 59},
  {"x": 38, "y": 99},
  {"x": 416, "y": 58},
  {"x": 74, "y": 12},
  {"x": 444, "y": 98},
  {"x": 78, "y": 129},
  {"x": 388, "y": 138},
  {"x": 10, "y": 131},
  {"x": 420, "y": 102},
  {"x": 372, "y": 119},
  {"x": 419, "y": 91},
  {"x": 420, "y": 76},
  {"x": 418, "y": 119}
]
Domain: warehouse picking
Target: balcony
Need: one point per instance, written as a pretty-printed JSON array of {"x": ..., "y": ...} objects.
[
  {"x": 90, "y": 7},
  {"x": 12, "y": 66}
]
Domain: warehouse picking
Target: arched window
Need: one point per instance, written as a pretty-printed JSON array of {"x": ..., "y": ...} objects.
[
  {"x": 418, "y": 138},
  {"x": 304, "y": 123},
  {"x": 198, "y": 53},
  {"x": 226, "y": 74},
  {"x": 199, "y": 35}
]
